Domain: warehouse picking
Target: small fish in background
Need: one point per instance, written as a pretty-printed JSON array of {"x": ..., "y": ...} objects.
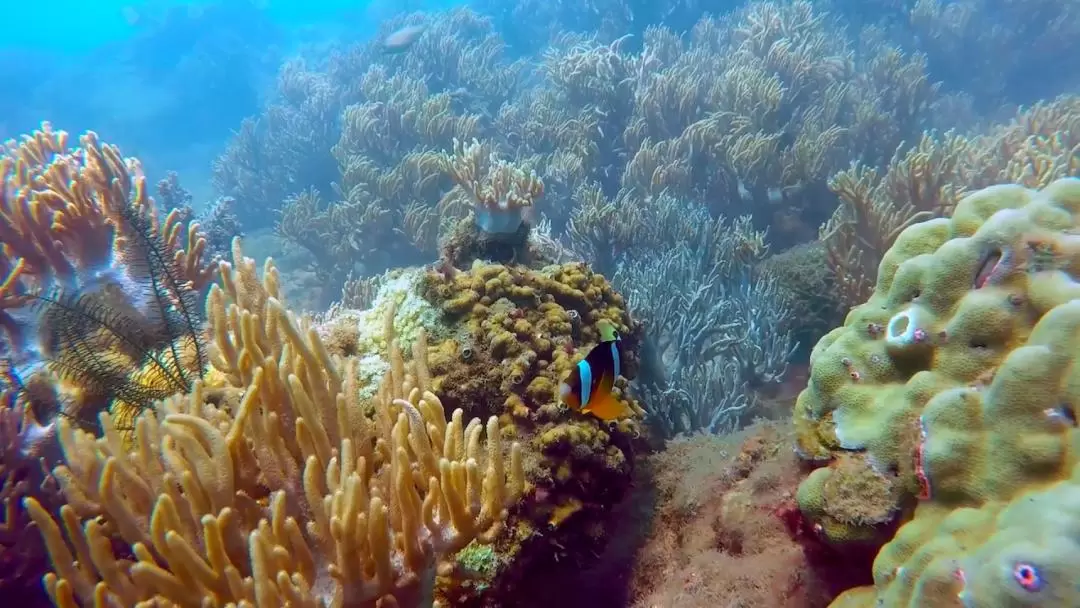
[
  {"x": 402, "y": 39},
  {"x": 588, "y": 387}
]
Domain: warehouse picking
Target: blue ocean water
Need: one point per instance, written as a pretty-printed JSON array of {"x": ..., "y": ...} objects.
[
  {"x": 76, "y": 26},
  {"x": 167, "y": 80}
]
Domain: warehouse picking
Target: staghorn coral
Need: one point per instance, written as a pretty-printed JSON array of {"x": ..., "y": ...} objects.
[
  {"x": 461, "y": 53},
  {"x": 718, "y": 330},
  {"x": 689, "y": 280},
  {"x": 945, "y": 402},
  {"x": 874, "y": 210},
  {"x": 218, "y": 221},
  {"x": 355, "y": 119},
  {"x": 337, "y": 235},
  {"x": 292, "y": 494},
  {"x": 390, "y": 180},
  {"x": 747, "y": 114},
  {"x": 284, "y": 149},
  {"x": 963, "y": 40}
]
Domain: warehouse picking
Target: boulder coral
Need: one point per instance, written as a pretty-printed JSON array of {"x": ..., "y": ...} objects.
[{"x": 947, "y": 404}]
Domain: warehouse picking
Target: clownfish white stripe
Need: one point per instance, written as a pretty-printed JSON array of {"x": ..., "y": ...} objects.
[{"x": 586, "y": 381}]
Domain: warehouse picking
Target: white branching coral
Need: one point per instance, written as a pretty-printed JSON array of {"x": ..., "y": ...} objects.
[{"x": 498, "y": 191}]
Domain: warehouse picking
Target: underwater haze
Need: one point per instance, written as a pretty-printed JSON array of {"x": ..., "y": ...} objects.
[
  {"x": 167, "y": 79},
  {"x": 522, "y": 303}
]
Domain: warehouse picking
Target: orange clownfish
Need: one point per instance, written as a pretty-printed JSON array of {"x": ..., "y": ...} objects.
[{"x": 588, "y": 387}]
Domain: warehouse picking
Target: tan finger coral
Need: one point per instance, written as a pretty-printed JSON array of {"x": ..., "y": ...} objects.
[{"x": 298, "y": 495}]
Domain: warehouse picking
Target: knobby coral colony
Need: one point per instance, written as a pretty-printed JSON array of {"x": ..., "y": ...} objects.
[
  {"x": 947, "y": 403},
  {"x": 502, "y": 339}
]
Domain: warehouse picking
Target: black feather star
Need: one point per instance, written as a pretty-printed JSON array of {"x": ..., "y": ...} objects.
[{"x": 122, "y": 348}]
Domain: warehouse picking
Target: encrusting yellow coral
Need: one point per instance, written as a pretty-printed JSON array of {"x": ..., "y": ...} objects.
[
  {"x": 294, "y": 496},
  {"x": 947, "y": 402}
]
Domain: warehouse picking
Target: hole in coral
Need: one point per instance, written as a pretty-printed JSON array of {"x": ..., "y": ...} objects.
[
  {"x": 1066, "y": 412},
  {"x": 975, "y": 343},
  {"x": 899, "y": 325},
  {"x": 986, "y": 269}
]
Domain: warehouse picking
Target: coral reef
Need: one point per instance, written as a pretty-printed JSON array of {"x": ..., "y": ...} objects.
[
  {"x": 963, "y": 40},
  {"x": 500, "y": 338},
  {"x": 747, "y": 114},
  {"x": 947, "y": 403},
  {"x": 803, "y": 272},
  {"x": 98, "y": 310},
  {"x": 718, "y": 327},
  {"x": 1038, "y": 146},
  {"x": 273, "y": 483}
]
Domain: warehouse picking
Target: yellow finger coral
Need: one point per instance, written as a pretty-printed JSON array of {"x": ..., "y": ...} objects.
[{"x": 295, "y": 496}]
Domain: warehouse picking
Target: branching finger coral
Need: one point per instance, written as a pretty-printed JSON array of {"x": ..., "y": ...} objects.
[
  {"x": 874, "y": 210},
  {"x": 721, "y": 331},
  {"x": 292, "y": 496}
]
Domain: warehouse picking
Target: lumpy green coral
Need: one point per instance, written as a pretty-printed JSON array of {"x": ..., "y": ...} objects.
[{"x": 957, "y": 384}]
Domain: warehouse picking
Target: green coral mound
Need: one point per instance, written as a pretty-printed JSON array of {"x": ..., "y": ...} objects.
[{"x": 957, "y": 383}]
